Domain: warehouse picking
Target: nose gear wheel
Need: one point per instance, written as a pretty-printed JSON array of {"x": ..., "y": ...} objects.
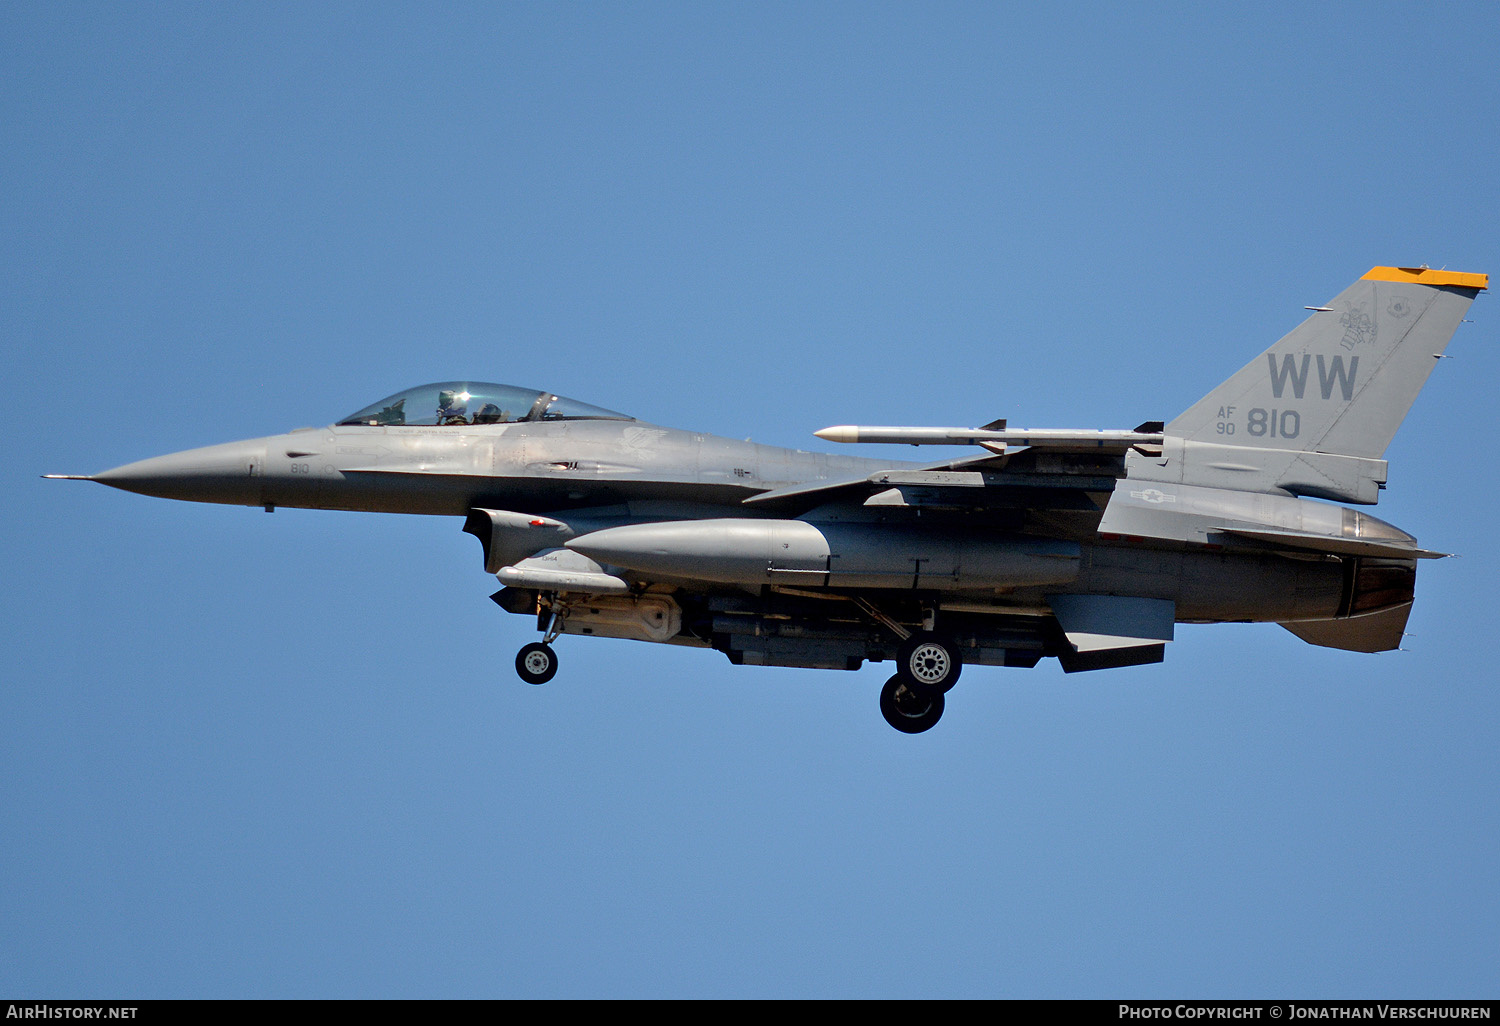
[{"x": 536, "y": 663}]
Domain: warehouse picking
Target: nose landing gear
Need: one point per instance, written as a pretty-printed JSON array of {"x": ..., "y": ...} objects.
[{"x": 536, "y": 663}]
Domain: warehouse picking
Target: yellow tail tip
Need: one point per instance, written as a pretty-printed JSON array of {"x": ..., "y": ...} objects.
[{"x": 1427, "y": 276}]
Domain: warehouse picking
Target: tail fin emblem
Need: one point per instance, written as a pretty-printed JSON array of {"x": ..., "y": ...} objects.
[{"x": 1359, "y": 327}]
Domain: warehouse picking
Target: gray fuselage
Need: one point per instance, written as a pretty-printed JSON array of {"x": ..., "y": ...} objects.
[{"x": 625, "y": 471}]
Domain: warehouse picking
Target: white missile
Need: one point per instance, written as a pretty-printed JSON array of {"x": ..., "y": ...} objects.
[{"x": 1039, "y": 438}]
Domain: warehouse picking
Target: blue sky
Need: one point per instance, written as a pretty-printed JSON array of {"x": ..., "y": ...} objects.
[{"x": 288, "y": 756}]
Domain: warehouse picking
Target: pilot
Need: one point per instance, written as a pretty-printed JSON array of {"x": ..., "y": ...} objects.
[{"x": 451, "y": 409}]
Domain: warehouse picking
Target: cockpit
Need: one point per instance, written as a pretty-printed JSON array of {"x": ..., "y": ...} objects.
[{"x": 454, "y": 403}]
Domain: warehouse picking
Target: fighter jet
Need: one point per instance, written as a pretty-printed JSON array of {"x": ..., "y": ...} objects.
[{"x": 1082, "y": 545}]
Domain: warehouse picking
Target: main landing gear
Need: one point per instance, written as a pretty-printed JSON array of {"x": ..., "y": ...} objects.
[
  {"x": 927, "y": 667},
  {"x": 907, "y": 709},
  {"x": 929, "y": 662},
  {"x": 537, "y": 662}
]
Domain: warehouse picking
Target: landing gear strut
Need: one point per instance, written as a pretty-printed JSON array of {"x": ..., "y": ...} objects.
[
  {"x": 908, "y": 710},
  {"x": 537, "y": 662}
]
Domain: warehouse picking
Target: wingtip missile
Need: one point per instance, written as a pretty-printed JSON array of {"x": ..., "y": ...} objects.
[
  {"x": 1038, "y": 438},
  {"x": 839, "y": 433}
]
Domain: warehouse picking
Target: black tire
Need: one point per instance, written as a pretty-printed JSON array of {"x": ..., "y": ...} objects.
[
  {"x": 909, "y": 711},
  {"x": 929, "y": 662},
  {"x": 536, "y": 663}
]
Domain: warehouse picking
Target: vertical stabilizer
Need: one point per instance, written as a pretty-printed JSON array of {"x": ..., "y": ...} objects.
[{"x": 1343, "y": 380}]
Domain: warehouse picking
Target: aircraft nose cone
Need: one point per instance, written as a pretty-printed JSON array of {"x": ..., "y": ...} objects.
[{"x": 229, "y": 473}]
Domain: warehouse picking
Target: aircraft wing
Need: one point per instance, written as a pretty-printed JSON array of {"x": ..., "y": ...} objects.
[{"x": 1027, "y": 479}]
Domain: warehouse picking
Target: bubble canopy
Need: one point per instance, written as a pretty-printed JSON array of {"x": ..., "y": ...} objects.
[{"x": 455, "y": 403}]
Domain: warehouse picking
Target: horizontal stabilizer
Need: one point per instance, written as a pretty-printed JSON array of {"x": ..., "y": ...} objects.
[
  {"x": 1340, "y": 546},
  {"x": 1098, "y": 622},
  {"x": 1379, "y": 631}
]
